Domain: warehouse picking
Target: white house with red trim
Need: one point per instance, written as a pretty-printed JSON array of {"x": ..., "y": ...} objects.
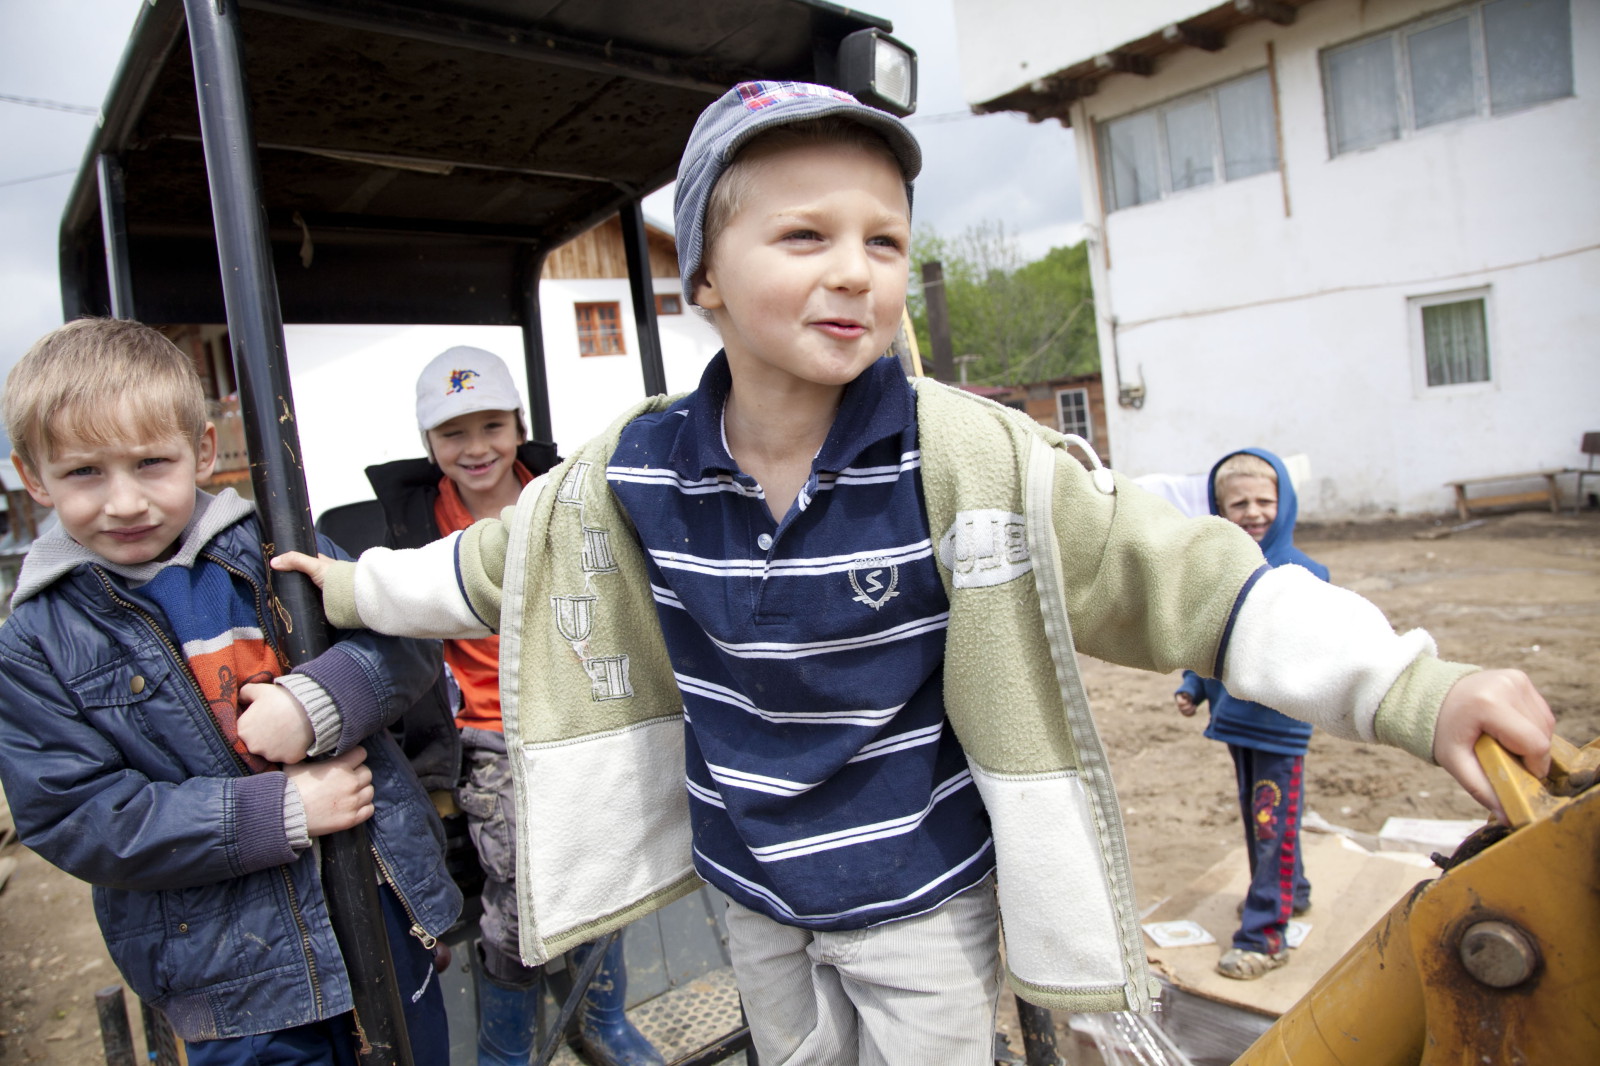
[{"x": 1365, "y": 230}]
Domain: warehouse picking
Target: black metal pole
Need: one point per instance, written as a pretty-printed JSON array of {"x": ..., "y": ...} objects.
[
  {"x": 161, "y": 1043},
  {"x": 530, "y": 265},
  {"x": 115, "y": 1036},
  {"x": 636, "y": 247},
  {"x": 114, "y": 226},
  {"x": 255, "y": 328},
  {"x": 1038, "y": 1035},
  {"x": 572, "y": 989}
]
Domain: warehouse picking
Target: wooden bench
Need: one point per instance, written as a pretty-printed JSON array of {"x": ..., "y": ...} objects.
[
  {"x": 1590, "y": 448},
  {"x": 1550, "y": 494}
]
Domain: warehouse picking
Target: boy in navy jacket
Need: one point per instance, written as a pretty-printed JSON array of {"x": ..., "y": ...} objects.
[
  {"x": 154, "y": 744},
  {"x": 1251, "y": 489}
]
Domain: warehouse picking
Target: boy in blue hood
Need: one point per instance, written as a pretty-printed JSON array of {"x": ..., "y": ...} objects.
[{"x": 1251, "y": 489}]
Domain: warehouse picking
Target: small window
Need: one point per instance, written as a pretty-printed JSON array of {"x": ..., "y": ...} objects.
[
  {"x": 600, "y": 329},
  {"x": 1219, "y": 134},
  {"x": 1483, "y": 59},
  {"x": 1072, "y": 413},
  {"x": 669, "y": 303},
  {"x": 1454, "y": 332}
]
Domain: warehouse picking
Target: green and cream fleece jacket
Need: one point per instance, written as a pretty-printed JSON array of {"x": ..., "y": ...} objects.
[{"x": 1041, "y": 558}]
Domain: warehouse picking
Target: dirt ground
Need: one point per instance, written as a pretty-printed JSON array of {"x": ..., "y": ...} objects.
[{"x": 1518, "y": 590}]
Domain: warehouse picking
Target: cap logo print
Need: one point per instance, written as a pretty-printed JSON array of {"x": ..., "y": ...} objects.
[
  {"x": 459, "y": 379},
  {"x": 760, "y": 94}
]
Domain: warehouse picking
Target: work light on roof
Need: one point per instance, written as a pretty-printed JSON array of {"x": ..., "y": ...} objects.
[{"x": 878, "y": 70}]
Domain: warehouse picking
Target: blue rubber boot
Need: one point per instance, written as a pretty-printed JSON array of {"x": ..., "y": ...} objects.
[
  {"x": 604, "y": 1032},
  {"x": 508, "y": 1017}
]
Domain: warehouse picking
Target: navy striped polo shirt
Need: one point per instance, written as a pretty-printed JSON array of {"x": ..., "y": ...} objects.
[{"x": 826, "y": 787}]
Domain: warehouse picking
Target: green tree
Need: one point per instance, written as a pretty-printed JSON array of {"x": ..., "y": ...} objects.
[{"x": 1024, "y": 321}]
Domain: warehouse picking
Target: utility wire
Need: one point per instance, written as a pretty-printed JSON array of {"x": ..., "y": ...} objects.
[
  {"x": 49, "y": 105},
  {"x": 36, "y": 177}
]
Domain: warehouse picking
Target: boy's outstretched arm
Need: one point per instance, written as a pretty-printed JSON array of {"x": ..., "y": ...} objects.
[
  {"x": 447, "y": 589},
  {"x": 1503, "y": 704},
  {"x": 1289, "y": 640}
]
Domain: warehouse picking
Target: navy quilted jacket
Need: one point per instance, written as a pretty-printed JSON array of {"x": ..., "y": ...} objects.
[{"x": 117, "y": 773}]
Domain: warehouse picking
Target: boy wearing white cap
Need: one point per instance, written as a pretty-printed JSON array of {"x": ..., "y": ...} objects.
[
  {"x": 470, "y": 416},
  {"x": 809, "y": 633}
]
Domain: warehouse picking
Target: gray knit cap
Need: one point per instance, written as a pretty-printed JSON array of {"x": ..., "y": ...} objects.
[{"x": 738, "y": 115}]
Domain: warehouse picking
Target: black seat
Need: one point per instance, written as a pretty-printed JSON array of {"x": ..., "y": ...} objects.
[{"x": 355, "y": 527}]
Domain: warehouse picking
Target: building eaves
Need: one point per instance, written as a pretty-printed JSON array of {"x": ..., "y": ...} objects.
[{"x": 1053, "y": 95}]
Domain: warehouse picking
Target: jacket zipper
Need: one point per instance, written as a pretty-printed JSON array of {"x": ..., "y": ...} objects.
[
  {"x": 428, "y": 941},
  {"x": 183, "y": 664}
]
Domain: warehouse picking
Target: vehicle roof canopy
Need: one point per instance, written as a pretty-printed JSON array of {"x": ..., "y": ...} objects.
[{"x": 418, "y": 159}]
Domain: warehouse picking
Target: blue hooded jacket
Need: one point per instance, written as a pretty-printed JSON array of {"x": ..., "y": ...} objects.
[{"x": 1241, "y": 722}]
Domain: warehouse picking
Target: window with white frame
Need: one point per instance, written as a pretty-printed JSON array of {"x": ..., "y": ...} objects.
[
  {"x": 1482, "y": 59},
  {"x": 1223, "y": 133},
  {"x": 1452, "y": 331},
  {"x": 1072, "y": 413}
]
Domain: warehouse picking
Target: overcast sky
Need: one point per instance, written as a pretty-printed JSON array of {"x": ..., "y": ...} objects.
[{"x": 994, "y": 168}]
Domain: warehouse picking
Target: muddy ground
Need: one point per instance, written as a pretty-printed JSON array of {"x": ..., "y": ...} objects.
[{"x": 1518, "y": 590}]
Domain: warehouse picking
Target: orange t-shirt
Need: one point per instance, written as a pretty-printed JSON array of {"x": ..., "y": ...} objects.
[{"x": 475, "y": 663}]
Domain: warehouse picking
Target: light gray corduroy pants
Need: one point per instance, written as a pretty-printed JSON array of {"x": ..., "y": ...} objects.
[{"x": 915, "y": 992}]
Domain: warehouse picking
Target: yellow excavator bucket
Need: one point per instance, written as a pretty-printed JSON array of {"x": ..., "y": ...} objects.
[{"x": 1495, "y": 962}]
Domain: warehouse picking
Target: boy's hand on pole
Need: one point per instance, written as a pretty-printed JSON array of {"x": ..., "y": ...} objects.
[
  {"x": 315, "y": 568},
  {"x": 336, "y": 793},
  {"x": 273, "y": 725},
  {"x": 1505, "y": 705}
]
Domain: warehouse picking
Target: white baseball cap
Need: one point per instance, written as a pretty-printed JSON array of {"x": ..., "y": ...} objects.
[{"x": 462, "y": 380}]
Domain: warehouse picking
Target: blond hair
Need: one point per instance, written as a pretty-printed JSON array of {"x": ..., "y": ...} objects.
[
  {"x": 100, "y": 381},
  {"x": 1242, "y": 465},
  {"x": 733, "y": 187}
]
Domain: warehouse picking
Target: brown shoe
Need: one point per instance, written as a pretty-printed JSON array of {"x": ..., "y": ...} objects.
[{"x": 1242, "y": 965}]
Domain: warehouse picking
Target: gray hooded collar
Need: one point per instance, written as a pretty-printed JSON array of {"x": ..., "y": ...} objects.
[{"x": 55, "y": 554}]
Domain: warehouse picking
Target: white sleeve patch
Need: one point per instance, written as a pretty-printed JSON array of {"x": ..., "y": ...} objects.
[
  {"x": 986, "y": 547},
  {"x": 415, "y": 592},
  {"x": 602, "y": 822},
  {"x": 1317, "y": 652},
  {"x": 1060, "y": 923}
]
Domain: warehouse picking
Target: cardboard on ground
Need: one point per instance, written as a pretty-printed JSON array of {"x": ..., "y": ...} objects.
[{"x": 1351, "y": 888}]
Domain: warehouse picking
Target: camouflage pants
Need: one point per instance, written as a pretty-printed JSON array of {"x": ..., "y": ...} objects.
[{"x": 490, "y": 804}]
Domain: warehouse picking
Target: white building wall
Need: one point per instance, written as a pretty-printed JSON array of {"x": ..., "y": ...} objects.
[
  {"x": 610, "y": 382},
  {"x": 1007, "y": 43},
  {"x": 354, "y": 386},
  {"x": 1249, "y": 321}
]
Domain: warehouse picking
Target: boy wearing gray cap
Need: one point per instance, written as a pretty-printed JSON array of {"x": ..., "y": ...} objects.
[{"x": 809, "y": 633}]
